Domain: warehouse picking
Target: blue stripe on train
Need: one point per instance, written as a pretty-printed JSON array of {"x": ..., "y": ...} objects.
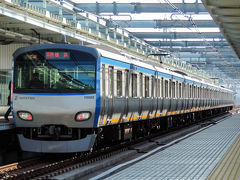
[
  {"x": 56, "y": 94},
  {"x": 98, "y": 97}
]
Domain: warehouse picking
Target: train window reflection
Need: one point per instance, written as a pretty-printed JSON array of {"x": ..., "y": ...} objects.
[
  {"x": 141, "y": 84},
  {"x": 126, "y": 83},
  {"x": 134, "y": 85},
  {"x": 119, "y": 83},
  {"x": 146, "y": 86},
  {"x": 166, "y": 88},
  {"x": 110, "y": 85}
]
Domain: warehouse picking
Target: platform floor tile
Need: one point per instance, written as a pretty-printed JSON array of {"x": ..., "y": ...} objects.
[
  {"x": 229, "y": 166},
  {"x": 191, "y": 158}
]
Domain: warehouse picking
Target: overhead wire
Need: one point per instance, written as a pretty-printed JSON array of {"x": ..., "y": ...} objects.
[{"x": 192, "y": 22}]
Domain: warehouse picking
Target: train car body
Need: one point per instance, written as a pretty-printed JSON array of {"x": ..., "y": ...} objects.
[{"x": 67, "y": 97}]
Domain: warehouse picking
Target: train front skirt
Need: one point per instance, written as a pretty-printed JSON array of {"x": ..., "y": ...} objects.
[{"x": 84, "y": 144}]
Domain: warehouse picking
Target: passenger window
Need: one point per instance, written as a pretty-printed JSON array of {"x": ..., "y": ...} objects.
[
  {"x": 190, "y": 91},
  {"x": 177, "y": 94},
  {"x": 126, "y": 83},
  {"x": 194, "y": 91},
  {"x": 198, "y": 92},
  {"x": 103, "y": 80},
  {"x": 134, "y": 85},
  {"x": 119, "y": 83},
  {"x": 110, "y": 84},
  {"x": 166, "y": 88},
  {"x": 153, "y": 86},
  {"x": 141, "y": 85},
  {"x": 161, "y": 88},
  {"x": 158, "y": 88},
  {"x": 146, "y": 86},
  {"x": 173, "y": 89},
  {"x": 180, "y": 90}
]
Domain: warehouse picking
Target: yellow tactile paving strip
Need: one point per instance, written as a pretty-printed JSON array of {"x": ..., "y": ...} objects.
[{"x": 229, "y": 166}]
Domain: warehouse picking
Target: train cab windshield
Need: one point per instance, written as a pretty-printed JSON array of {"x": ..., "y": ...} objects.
[{"x": 55, "y": 71}]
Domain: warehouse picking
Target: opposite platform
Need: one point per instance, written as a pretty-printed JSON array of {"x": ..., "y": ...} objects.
[
  {"x": 6, "y": 125},
  {"x": 192, "y": 158}
]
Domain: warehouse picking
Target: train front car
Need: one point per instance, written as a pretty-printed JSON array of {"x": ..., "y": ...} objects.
[{"x": 54, "y": 97}]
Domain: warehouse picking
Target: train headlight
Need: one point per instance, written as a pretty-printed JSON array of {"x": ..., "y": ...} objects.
[
  {"x": 81, "y": 116},
  {"x": 24, "y": 115}
]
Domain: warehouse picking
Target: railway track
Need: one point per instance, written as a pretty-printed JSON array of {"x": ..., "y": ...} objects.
[{"x": 53, "y": 165}]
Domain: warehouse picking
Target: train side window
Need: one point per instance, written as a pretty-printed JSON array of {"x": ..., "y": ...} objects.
[
  {"x": 194, "y": 91},
  {"x": 111, "y": 81},
  {"x": 173, "y": 90},
  {"x": 166, "y": 88},
  {"x": 183, "y": 90},
  {"x": 146, "y": 86},
  {"x": 180, "y": 90},
  {"x": 161, "y": 89},
  {"x": 198, "y": 92},
  {"x": 152, "y": 86},
  {"x": 190, "y": 91},
  {"x": 126, "y": 83},
  {"x": 177, "y": 90},
  {"x": 141, "y": 85},
  {"x": 134, "y": 85},
  {"x": 103, "y": 80},
  {"x": 119, "y": 83},
  {"x": 170, "y": 88},
  {"x": 158, "y": 87}
]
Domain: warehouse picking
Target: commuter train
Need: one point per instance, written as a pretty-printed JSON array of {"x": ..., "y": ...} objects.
[{"x": 70, "y": 98}]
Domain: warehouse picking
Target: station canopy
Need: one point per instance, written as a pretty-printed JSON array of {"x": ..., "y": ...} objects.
[{"x": 183, "y": 27}]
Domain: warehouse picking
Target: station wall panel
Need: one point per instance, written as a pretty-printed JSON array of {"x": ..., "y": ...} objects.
[{"x": 6, "y": 52}]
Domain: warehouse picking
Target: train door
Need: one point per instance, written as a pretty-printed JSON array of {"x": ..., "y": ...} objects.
[
  {"x": 106, "y": 93},
  {"x": 140, "y": 93},
  {"x": 133, "y": 100},
  {"x": 166, "y": 98},
  {"x": 103, "y": 94},
  {"x": 110, "y": 97},
  {"x": 158, "y": 96},
  {"x": 146, "y": 100},
  {"x": 180, "y": 98},
  {"x": 186, "y": 96},
  {"x": 174, "y": 96},
  {"x": 154, "y": 89},
  {"x": 119, "y": 102}
]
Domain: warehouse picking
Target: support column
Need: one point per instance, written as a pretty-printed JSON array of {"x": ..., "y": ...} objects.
[
  {"x": 60, "y": 14},
  {"x": 25, "y": 3},
  {"x": 74, "y": 20},
  {"x": 45, "y": 6}
]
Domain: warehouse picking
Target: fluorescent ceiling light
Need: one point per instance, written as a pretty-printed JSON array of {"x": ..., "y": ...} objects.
[
  {"x": 153, "y": 30},
  {"x": 187, "y": 39},
  {"x": 156, "y": 16},
  {"x": 135, "y": 1}
]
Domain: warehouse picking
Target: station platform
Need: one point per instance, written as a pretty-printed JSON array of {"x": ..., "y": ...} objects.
[
  {"x": 6, "y": 125},
  {"x": 211, "y": 153}
]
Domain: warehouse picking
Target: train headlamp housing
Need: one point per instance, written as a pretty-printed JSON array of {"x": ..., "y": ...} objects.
[
  {"x": 24, "y": 115},
  {"x": 82, "y": 116}
]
